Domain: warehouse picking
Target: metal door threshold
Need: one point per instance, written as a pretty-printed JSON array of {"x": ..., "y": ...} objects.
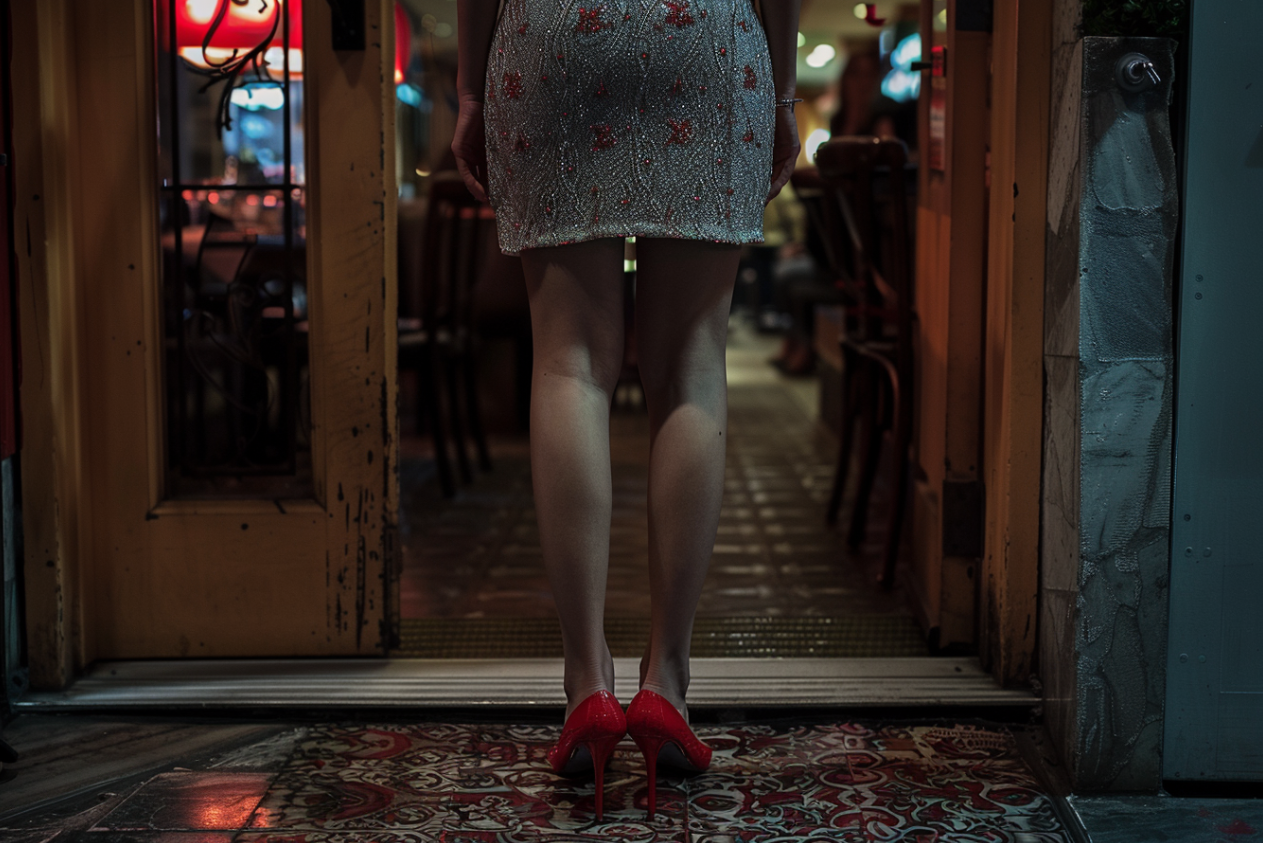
[{"x": 520, "y": 683}]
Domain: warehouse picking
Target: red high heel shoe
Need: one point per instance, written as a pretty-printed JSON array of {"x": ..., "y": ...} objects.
[
  {"x": 591, "y": 732},
  {"x": 662, "y": 735}
]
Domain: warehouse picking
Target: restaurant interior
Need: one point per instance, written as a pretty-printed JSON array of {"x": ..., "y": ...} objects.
[{"x": 812, "y": 553}]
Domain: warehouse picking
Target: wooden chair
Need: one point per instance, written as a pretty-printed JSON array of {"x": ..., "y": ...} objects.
[
  {"x": 867, "y": 187},
  {"x": 437, "y": 273}
]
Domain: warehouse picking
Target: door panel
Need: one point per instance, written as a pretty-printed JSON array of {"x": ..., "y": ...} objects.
[
  {"x": 1214, "y": 722},
  {"x": 165, "y": 577}
]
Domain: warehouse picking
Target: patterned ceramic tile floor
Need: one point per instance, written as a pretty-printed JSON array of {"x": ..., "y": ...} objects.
[
  {"x": 841, "y": 782},
  {"x": 477, "y": 556}
]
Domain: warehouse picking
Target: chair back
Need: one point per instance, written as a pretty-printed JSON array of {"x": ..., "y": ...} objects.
[
  {"x": 866, "y": 178},
  {"x": 455, "y": 231},
  {"x": 829, "y": 250}
]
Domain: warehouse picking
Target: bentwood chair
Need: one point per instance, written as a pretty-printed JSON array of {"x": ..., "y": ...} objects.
[
  {"x": 867, "y": 191},
  {"x": 438, "y": 268}
]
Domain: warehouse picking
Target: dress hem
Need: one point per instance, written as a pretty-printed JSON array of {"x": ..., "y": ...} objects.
[{"x": 597, "y": 234}]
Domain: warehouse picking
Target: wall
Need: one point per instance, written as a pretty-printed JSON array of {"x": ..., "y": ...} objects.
[{"x": 1112, "y": 213}]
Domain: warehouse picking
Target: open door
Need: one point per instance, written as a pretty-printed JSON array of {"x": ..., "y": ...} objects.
[{"x": 212, "y": 379}]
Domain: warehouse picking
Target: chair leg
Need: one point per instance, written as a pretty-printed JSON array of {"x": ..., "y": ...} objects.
[
  {"x": 846, "y": 438},
  {"x": 473, "y": 409},
  {"x": 903, "y": 468},
  {"x": 429, "y": 405},
  {"x": 454, "y": 415},
  {"x": 875, "y": 429}
]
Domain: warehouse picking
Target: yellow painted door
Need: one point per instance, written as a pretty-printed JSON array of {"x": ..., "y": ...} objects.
[{"x": 181, "y": 560}]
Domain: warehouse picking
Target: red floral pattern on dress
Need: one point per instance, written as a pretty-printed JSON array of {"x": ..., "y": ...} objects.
[
  {"x": 605, "y": 137},
  {"x": 749, "y": 136},
  {"x": 752, "y": 81},
  {"x": 522, "y": 143},
  {"x": 679, "y": 15},
  {"x": 590, "y": 20},
  {"x": 681, "y": 131},
  {"x": 513, "y": 85}
]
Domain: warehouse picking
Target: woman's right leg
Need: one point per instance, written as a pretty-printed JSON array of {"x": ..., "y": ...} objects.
[{"x": 576, "y": 299}]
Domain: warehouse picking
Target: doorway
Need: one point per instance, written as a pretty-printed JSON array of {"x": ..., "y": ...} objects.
[{"x": 782, "y": 583}]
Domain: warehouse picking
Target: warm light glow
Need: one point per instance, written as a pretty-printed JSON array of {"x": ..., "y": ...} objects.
[
  {"x": 188, "y": 194},
  {"x": 218, "y": 55},
  {"x": 269, "y": 201},
  {"x": 275, "y": 58},
  {"x": 861, "y": 10},
  {"x": 252, "y": 200},
  {"x": 255, "y": 97},
  {"x": 201, "y": 11},
  {"x": 802, "y": 39},
  {"x": 213, "y": 198},
  {"x": 820, "y": 56},
  {"x": 814, "y": 141}
]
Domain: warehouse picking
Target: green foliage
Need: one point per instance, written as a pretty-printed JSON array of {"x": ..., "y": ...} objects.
[{"x": 1136, "y": 18}]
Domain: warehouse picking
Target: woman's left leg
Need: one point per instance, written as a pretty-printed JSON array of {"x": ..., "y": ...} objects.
[
  {"x": 576, "y": 297},
  {"x": 683, "y": 297}
]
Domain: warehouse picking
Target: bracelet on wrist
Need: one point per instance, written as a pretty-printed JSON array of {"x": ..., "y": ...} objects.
[{"x": 789, "y": 103}]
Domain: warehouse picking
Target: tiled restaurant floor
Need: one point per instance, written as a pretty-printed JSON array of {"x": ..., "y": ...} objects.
[
  {"x": 477, "y": 556},
  {"x": 481, "y": 776},
  {"x": 833, "y": 782}
]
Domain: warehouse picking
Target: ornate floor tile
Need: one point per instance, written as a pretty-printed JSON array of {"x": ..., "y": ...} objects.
[
  {"x": 110, "y": 836},
  {"x": 190, "y": 801}
]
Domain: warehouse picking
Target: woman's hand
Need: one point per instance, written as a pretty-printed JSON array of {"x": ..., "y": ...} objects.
[
  {"x": 470, "y": 147},
  {"x": 785, "y": 150}
]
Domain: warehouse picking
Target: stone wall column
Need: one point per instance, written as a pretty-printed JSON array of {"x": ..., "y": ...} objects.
[{"x": 1109, "y": 382}]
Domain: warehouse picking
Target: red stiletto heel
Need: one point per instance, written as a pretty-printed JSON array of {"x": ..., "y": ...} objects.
[
  {"x": 596, "y": 725},
  {"x": 662, "y": 735}
]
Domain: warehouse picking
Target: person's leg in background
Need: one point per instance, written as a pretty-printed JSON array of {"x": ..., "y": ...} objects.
[
  {"x": 576, "y": 301},
  {"x": 683, "y": 295}
]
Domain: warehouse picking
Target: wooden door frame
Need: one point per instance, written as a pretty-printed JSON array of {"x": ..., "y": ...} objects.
[
  {"x": 353, "y": 304},
  {"x": 1021, "y": 66},
  {"x": 999, "y": 418}
]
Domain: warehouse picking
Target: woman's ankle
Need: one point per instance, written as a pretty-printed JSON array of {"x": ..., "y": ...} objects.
[
  {"x": 668, "y": 680},
  {"x": 583, "y": 678}
]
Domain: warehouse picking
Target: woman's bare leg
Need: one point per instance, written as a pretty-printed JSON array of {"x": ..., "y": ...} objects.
[
  {"x": 576, "y": 298},
  {"x": 683, "y": 295}
]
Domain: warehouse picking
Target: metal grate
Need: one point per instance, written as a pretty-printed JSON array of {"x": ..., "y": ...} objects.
[{"x": 859, "y": 636}]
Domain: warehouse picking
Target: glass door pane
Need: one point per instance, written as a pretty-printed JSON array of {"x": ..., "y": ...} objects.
[{"x": 233, "y": 229}]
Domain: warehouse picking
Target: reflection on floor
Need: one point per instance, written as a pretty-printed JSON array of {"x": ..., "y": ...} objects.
[
  {"x": 792, "y": 780},
  {"x": 477, "y": 557}
]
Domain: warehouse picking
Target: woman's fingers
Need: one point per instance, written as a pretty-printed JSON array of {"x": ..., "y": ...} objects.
[
  {"x": 784, "y": 152},
  {"x": 469, "y": 145},
  {"x": 475, "y": 178}
]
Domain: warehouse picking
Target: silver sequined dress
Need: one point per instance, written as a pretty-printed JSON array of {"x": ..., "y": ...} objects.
[{"x": 628, "y": 117}]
